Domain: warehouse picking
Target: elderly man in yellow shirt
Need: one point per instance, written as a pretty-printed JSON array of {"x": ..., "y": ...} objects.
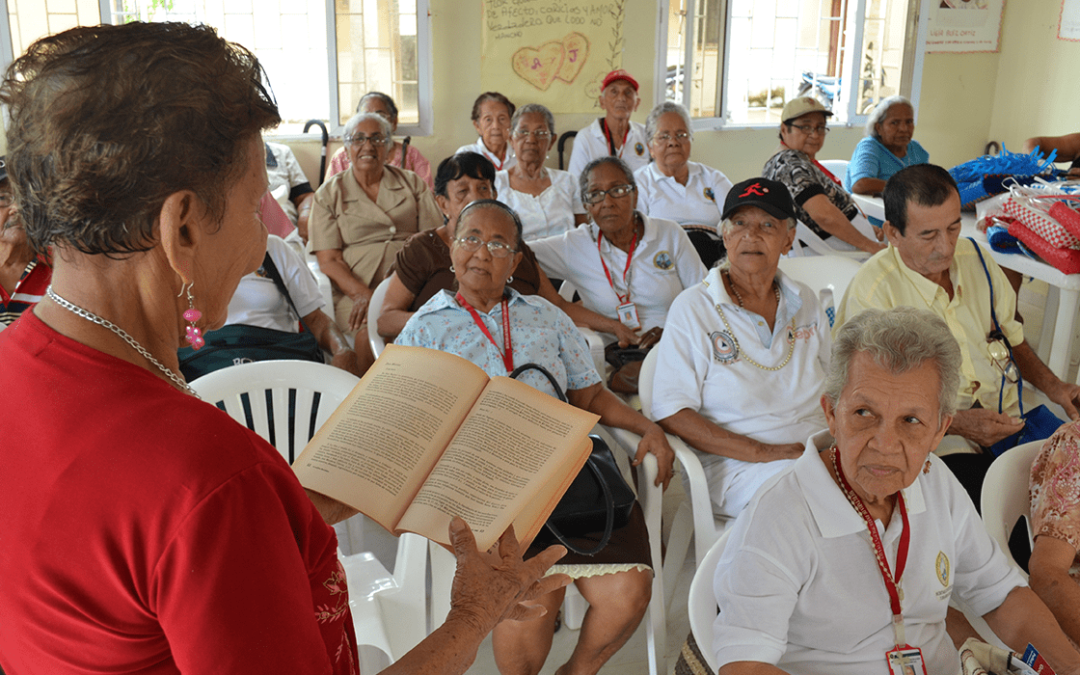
[{"x": 925, "y": 266}]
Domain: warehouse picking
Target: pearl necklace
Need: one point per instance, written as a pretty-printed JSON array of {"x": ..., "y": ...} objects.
[
  {"x": 94, "y": 318},
  {"x": 738, "y": 348}
]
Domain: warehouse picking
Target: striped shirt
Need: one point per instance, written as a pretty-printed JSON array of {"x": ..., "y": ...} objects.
[{"x": 28, "y": 292}]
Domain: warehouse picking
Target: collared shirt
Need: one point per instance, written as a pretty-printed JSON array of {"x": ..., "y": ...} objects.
[
  {"x": 871, "y": 159},
  {"x": 551, "y": 212},
  {"x": 257, "y": 301},
  {"x": 540, "y": 332},
  {"x": 805, "y": 181},
  {"x": 884, "y": 282},
  {"x": 369, "y": 234},
  {"x": 699, "y": 202},
  {"x": 798, "y": 585},
  {"x": 481, "y": 149},
  {"x": 28, "y": 291},
  {"x": 1055, "y": 491},
  {"x": 664, "y": 264},
  {"x": 283, "y": 171},
  {"x": 591, "y": 143}
]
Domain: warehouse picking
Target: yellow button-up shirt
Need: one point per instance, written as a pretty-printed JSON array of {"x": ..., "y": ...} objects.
[{"x": 884, "y": 281}]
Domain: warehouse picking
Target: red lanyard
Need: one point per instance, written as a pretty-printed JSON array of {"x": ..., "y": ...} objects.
[
  {"x": 827, "y": 172},
  {"x": 623, "y": 299},
  {"x": 490, "y": 155},
  {"x": 611, "y": 143},
  {"x": 507, "y": 352},
  {"x": 891, "y": 582}
]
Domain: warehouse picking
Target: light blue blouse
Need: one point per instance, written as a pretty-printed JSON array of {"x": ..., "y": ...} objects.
[{"x": 871, "y": 159}]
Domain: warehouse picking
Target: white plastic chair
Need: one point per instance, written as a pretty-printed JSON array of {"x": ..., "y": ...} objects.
[
  {"x": 821, "y": 273},
  {"x": 378, "y": 297},
  {"x": 808, "y": 243},
  {"x": 325, "y": 287},
  {"x": 1005, "y": 497},
  {"x": 838, "y": 167},
  {"x": 389, "y": 610},
  {"x": 596, "y": 343},
  {"x": 702, "y": 603}
]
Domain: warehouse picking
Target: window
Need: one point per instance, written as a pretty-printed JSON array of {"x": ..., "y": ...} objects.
[
  {"x": 321, "y": 56},
  {"x": 739, "y": 61}
]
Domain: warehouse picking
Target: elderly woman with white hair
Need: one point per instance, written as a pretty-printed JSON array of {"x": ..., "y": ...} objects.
[
  {"x": 363, "y": 216},
  {"x": 887, "y": 148},
  {"x": 673, "y": 187},
  {"x": 546, "y": 200},
  {"x": 847, "y": 563}
]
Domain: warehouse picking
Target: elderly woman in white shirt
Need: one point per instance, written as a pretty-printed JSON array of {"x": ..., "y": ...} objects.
[
  {"x": 672, "y": 186},
  {"x": 545, "y": 199},
  {"x": 491, "y": 114},
  {"x": 747, "y": 329},
  {"x": 847, "y": 563}
]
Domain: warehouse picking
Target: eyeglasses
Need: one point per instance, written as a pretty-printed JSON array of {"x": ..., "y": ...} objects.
[
  {"x": 497, "y": 249},
  {"x": 811, "y": 131},
  {"x": 999, "y": 356},
  {"x": 539, "y": 134},
  {"x": 680, "y": 136},
  {"x": 617, "y": 192},
  {"x": 360, "y": 139}
]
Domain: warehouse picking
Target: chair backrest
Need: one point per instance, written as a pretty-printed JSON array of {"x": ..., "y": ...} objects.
[
  {"x": 1005, "y": 497},
  {"x": 566, "y": 136},
  {"x": 808, "y": 243},
  {"x": 374, "y": 309},
  {"x": 838, "y": 167},
  {"x": 701, "y": 605},
  {"x": 830, "y": 272},
  {"x": 285, "y": 402},
  {"x": 645, "y": 380}
]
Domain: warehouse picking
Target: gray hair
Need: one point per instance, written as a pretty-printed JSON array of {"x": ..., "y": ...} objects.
[
  {"x": 881, "y": 110},
  {"x": 725, "y": 225},
  {"x": 536, "y": 109},
  {"x": 384, "y": 126},
  {"x": 899, "y": 340},
  {"x": 583, "y": 179},
  {"x": 663, "y": 109}
]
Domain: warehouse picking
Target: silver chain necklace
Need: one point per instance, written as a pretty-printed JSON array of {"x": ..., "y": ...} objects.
[{"x": 94, "y": 318}]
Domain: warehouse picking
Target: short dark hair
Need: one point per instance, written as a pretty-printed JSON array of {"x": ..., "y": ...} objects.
[
  {"x": 583, "y": 179},
  {"x": 385, "y": 98},
  {"x": 922, "y": 184},
  {"x": 491, "y": 96},
  {"x": 482, "y": 204},
  {"x": 108, "y": 121},
  {"x": 471, "y": 164}
]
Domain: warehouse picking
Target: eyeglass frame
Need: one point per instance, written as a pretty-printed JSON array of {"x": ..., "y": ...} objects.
[
  {"x": 594, "y": 197},
  {"x": 351, "y": 139},
  {"x": 539, "y": 134},
  {"x": 1005, "y": 363},
  {"x": 492, "y": 245},
  {"x": 811, "y": 131},
  {"x": 679, "y": 136}
]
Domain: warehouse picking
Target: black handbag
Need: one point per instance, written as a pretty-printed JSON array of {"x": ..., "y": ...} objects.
[
  {"x": 599, "y": 498},
  {"x": 236, "y": 344}
]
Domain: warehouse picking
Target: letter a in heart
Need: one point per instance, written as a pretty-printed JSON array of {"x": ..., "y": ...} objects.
[{"x": 539, "y": 67}]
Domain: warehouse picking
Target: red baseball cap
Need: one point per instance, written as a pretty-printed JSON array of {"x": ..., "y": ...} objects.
[{"x": 619, "y": 74}]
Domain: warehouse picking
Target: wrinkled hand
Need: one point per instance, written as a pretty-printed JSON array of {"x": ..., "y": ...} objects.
[
  {"x": 346, "y": 360},
  {"x": 483, "y": 594},
  {"x": 624, "y": 335},
  {"x": 651, "y": 337},
  {"x": 770, "y": 453},
  {"x": 359, "y": 310},
  {"x": 983, "y": 426},
  {"x": 1068, "y": 397},
  {"x": 655, "y": 441}
]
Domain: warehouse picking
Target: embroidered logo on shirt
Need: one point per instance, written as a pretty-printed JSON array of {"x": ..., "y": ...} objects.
[
  {"x": 663, "y": 261},
  {"x": 710, "y": 195},
  {"x": 803, "y": 332},
  {"x": 639, "y": 149},
  {"x": 941, "y": 566},
  {"x": 724, "y": 349}
]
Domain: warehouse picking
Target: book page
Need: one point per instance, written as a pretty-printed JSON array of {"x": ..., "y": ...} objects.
[
  {"x": 514, "y": 442},
  {"x": 380, "y": 444}
]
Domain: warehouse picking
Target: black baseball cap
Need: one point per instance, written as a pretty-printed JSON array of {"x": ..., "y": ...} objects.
[{"x": 768, "y": 195}]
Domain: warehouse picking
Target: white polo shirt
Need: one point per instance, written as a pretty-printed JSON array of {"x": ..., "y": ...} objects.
[
  {"x": 699, "y": 202},
  {"x": 798, "y": 586},
  {"x": 664, "y": 264},
  {"x": 481, "y": 149},
  {"x": 703, "y": 369},
  {"x": 257, "y": 301},
  {"x": 591, "y": 143},
  {"x": 550, "y": 213}
]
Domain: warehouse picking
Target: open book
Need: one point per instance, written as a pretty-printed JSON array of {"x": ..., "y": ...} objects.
[{"x": 426, "y": 436}]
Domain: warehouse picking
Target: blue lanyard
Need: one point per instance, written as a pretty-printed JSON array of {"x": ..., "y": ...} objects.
[{"x": 997, "y": 329}]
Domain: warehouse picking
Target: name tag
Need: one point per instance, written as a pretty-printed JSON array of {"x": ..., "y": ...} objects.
[
  {"x": 628, "y": 315},
  {"x": 906, "y": 661}
]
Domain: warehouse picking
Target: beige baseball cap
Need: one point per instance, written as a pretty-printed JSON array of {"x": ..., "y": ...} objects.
[{"x": 797, "y": 107}]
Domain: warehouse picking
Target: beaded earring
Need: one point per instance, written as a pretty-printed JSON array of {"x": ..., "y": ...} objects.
[{"x": 191, "y": 315}]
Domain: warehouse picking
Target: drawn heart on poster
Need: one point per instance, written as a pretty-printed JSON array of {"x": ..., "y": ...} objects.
[
  {"x": 576, "y": 46},
  {"x": 539, "y": 67}
]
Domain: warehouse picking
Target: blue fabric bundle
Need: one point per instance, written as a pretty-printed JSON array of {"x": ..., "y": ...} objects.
[{"x": 971, "y": 176}]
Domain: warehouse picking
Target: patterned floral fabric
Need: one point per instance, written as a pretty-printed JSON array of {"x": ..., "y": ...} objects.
[
  {"x": 804, "y": 180},
  {"x": 1055, "y": 490}
]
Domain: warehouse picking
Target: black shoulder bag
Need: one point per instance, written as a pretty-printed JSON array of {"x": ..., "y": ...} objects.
[
  {"x": 599, "y": 498},
  {"x": 237, "y": 343}
]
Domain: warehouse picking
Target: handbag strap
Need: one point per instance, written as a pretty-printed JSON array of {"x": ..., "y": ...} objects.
[
  {"x": 609, "y": 521},
  {"x": 998, "y": 331},
  {"x": 551, "y": 378},
  {"x": 272, "y": 271}
]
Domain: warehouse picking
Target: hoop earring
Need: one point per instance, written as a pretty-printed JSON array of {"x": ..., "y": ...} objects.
[
  {"x": 510, "y": 279},
  {"x": 452, "y": 269},
  {"x": 193, "y": 333}
]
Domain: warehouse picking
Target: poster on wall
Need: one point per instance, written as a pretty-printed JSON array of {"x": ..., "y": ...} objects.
[
  {"x": 1069, "y": 21},
  {"x": 964, "y": 26},
  {"x": 554, "y": 52}
]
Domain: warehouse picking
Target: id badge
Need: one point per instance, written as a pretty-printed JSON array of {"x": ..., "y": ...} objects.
[
  {"x": 628, "y": 315},
  {"x": 906, "y": 661}
]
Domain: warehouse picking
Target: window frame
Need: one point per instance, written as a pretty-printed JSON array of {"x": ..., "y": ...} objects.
[{"x": 918, "y": 12}]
